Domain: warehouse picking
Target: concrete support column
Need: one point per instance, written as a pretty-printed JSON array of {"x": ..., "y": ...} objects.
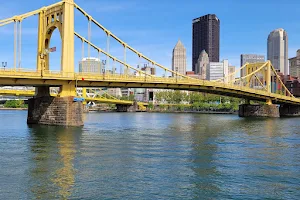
[
  {"x": 42, "y": 91},
  {"x": 289, "y": 110},
  {"x": 247, "y": 110},
  {"x": 127, "y": 108},
  {"x": 60, "y": 111}
]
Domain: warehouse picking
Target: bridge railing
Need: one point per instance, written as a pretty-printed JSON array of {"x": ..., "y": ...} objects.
[
  {"x": 124, "y": 78},
  {"x": 19, "y": 72}
]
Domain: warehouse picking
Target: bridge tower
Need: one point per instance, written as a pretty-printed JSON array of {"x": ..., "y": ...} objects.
[
  {"x": 44, "y": 109},
  {"x": 263, "y": 110},
  {"x": 60, "y": 17}
]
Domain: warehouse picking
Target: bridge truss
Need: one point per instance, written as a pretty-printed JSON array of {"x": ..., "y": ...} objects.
[{"x": 257, "y": 84}]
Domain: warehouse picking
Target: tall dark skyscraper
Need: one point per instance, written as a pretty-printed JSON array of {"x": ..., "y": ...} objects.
[{"x": 206, "y": 36}]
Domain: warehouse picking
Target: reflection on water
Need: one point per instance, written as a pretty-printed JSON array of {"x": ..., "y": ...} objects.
[
  {"x": 150, "y": 156},
  {"x": 54, "y": 173}
]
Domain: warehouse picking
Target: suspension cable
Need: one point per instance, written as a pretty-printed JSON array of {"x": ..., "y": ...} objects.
[
  {"x": 15, "y": 44},
  {"x": 129, "y": 47},
  {"x": 234, "y": 73},
  {"x": 108, "y": 55},
  {"x": 99, "y": 62},
  {"x": 89, "y": 46},
  {"x": 107, "y": 49},
  {"x": 82, "y": 49},
  {"x": 20, "y": 43},
  {"x": 278, "y": 77},
  {"x": 126, "y": 70}
]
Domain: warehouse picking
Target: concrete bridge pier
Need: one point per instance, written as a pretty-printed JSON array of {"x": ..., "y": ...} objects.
[
  {"x": 263, "y": 110},
  {"x": 127, "y": 108},
  {"x": 60, "y": 111},
  {"x": 287, "y": 110}
]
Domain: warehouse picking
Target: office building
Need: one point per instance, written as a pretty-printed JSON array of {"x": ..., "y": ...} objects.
[
  {"x": 295, "y": 65},
  {"x": 90, "y": 65},
  {"x": 193, "y": 75},
  {"x": 231, "y": 74},
  {"x": 149, "y": 69},
  {"x": 202, "y": 64},
  {"x": 250, "y": 58},
  {"x": 206, "y": 36},
  {"x": 179, "y": 58},
  {"x": 217, "y": 70},
  {"x": 278, "y": 50},
  {"x": 116, "y": 92}
]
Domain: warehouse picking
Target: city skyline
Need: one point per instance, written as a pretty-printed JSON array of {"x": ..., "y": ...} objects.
[
  {"x": 278, "y": 50},
  {"x": 156, "y": 38},
  {"x": 206, "y": 36},
  {"x": 179, "y": 58}
]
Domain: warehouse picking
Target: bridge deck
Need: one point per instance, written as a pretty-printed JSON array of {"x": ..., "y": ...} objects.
[{"x": 35, "y": 78}]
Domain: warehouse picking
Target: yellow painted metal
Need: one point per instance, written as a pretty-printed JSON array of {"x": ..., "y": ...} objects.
[
  {"x": 282, "y": 84},
  {"x": 26, "y": 15},
  {"x": 268, "y": 81},
  {"x": 268, "y": 77},
  {"x": 68, "y": 37},
  {"x": 269, "y": 102},
  {"x": 126, "y": 45},
  {"x": 40, "y": 61},
  {"x": 231, "y": 74},
  {"x": 108, "y": 55},
  {"x": 84, "y": 94},
  {"x": 67, "y": 89},
  {"x": 61, "y": 16},
  {"x": 29, "y": 77},
  {"x": 30, "y": 93}
]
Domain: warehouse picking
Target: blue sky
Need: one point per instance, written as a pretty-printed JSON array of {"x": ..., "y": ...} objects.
[{"x": 153, "y": 27}]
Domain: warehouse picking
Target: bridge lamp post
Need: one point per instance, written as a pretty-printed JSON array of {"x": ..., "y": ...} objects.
[
  {"x": 4, "y": 64},
  {"x": 103, "y": 64},
  {"x": 176, "y": 74}
]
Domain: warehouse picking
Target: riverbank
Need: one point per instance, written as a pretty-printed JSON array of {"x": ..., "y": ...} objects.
[
  {"x": 171, "y": 111},
  {"x": 13, "y": 108},
  {"x": 149, "y": 111},
  {"x": 200, "y": 112}
]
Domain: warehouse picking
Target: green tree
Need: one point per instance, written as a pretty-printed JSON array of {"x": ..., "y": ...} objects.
[
  {"x": 14, "y": 104},
  {"x": 128, "y": 98},
  {"x": 150, "y": 106}
]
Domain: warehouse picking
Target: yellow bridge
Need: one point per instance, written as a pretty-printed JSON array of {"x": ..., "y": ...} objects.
[
  {"x": 105, "y": 98},
  {"x": 256, "y": 85}
]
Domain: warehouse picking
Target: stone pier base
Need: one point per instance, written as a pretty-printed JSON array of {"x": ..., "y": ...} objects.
[
  {"x": 247, "y": 110},
  {"x": 127, "y": 108},
  {"x": 289, "y": 111},
  {"x": 60, "y": 111}
]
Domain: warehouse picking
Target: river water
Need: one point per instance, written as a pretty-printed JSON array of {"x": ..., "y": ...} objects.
[{"x": 150, "y": 156}]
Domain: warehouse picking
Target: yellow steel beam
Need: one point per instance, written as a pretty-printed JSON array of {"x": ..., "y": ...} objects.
[
  {"x": 282, "y": 84},
  {"x": 107, "y": 54},
  {"x": 126, "y": 45},
  {"x": 27, "y": 77},
  {"x": 232, "y": 74},
  {"x": 29, "y": 93},
  {"x": 28, "y": 14}
]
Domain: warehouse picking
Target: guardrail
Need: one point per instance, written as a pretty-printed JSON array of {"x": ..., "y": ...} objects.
[{"x": 49, "y": 74}]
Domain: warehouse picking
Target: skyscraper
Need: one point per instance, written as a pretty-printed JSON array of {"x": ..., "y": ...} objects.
[
  {"x": 92, "y": 65},
  {"x": 206, "y": 36},
  {"x": 179, "y": 58},
  {"x": 202, "y": 64},
  {"x": 231, "y": 75},
  {"x": 295, "y": 65},
  {"x": 217, "y": 70},
  {"x": 250, "y": 58},
  {"x": 278, "y": 50}
]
